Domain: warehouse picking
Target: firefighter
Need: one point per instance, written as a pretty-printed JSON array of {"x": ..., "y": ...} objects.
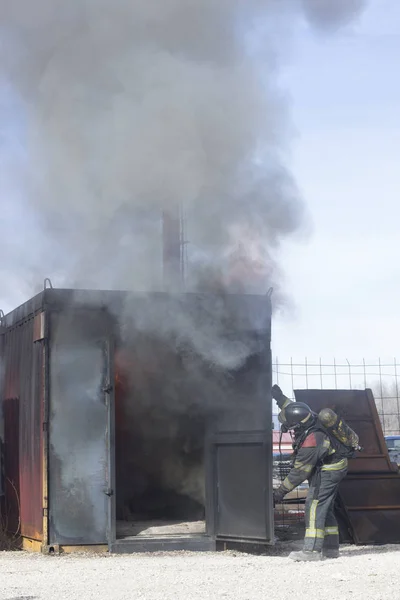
[{"x": 317, "y": 459}]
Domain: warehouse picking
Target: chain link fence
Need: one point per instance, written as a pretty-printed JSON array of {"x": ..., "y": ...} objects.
[{"x": 381, "y": 376}]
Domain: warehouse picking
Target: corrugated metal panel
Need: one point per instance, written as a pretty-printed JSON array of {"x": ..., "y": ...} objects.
[
  {"x": 22, "y": 405},
  {"x": 11, "y": 463},
  {"x": 25, "y": 311}
]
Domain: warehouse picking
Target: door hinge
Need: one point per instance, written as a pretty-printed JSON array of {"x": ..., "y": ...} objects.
[{"x": 109, "y": 492}]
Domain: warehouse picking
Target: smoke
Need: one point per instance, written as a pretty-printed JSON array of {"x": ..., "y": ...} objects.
[
  {"x": 117, "y": 110},
  {"x": 114, "y": 110},
  {"x": 330, "y": 14}
]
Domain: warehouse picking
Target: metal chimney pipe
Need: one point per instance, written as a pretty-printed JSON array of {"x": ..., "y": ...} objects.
[{"x": 172, "y": 232}]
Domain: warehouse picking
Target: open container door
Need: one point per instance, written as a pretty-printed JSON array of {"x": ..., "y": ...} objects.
[{"x": 239, "y": 441}]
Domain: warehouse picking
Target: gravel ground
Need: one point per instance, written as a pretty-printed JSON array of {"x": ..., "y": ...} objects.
[{"x": 360, "y": 573}]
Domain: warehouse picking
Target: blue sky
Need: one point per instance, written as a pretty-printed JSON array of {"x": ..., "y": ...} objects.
[{"x": 345, "y": 277}]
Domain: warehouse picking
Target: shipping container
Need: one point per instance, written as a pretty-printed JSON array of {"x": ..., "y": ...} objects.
[{"x": 135, "y": 422}]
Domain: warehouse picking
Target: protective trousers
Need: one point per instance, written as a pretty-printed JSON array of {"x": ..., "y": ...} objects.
[{"x": 322, "y": 531}]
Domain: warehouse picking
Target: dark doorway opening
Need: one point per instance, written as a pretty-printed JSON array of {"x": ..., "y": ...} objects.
[{"x": 164, "y": 399}]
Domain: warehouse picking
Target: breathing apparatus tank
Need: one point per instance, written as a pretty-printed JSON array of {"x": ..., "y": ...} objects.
[{"x": 339, "y": 428}]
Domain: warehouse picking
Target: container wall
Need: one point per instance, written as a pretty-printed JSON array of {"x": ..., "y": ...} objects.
[
  {"x": 79, "y": 434},
  {"x": 240, "y": 478},
  {"x": 1, "y": 424},
  {"x": 22, "y": 400}
]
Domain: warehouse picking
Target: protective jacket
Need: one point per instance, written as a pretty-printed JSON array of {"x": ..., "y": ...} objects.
[{"x": 312, "y": 449}]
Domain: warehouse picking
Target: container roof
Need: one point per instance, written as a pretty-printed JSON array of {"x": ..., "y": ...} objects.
[{"x": 252, "y": 312}]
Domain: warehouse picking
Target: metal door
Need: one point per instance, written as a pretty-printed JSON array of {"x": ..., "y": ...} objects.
[
  {"x": 81, "y": 490},
  {"x": 239, "y": 456},
  {"x": 240, "y": 487}
]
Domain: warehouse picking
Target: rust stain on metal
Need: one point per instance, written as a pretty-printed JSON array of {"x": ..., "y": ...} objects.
[
  {"x": 369, "y": 497},
  {"x": 28, "y": 531},
  {"x": 22, "y": 359},
  {"x": 31, "y": 545}
]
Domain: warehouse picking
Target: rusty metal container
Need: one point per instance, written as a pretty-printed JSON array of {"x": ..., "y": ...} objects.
[{"x": 60, "y": 422}]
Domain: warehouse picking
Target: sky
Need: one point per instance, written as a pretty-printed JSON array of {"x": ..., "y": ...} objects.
[{"x": 343, "y": 271}]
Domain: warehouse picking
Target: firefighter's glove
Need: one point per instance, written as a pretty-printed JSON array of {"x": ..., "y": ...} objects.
[
  {"x": 278, "y": 496},
  {"x": 277, "y": 393}
]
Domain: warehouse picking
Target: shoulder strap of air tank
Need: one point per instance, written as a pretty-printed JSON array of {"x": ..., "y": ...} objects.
[{"x": 337, "y": 445}]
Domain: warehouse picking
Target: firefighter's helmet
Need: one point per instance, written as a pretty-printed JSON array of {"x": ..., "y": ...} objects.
[{"x": 298, "y": 414}]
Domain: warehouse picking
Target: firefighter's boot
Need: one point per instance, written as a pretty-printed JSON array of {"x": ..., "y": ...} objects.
[{"x": 331, "y": 553}]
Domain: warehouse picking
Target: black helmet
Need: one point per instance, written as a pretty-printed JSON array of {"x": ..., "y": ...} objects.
[{"x": 298, "y": 414}]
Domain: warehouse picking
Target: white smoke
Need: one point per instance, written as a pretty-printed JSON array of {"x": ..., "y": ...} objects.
[
  {"x": 113, "y": 110},
  {"x": 120, "y": 109}
]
